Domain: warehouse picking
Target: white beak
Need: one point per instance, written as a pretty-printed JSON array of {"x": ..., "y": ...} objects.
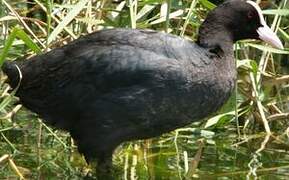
[
  {"x": 268, "y": 36},
  {"x": 265, "y": 33}
]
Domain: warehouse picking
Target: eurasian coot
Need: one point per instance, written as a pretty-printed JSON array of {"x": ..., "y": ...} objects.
[{"x": 119, "y": 85}]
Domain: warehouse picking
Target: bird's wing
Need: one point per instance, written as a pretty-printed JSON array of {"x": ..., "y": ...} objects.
[{"x": 103, "y": 61}]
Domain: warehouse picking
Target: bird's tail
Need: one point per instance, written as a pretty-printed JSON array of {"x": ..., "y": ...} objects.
[{"x": 13, "y": 72}]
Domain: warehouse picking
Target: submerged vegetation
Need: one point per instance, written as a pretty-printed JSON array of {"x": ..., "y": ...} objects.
[{"x": 247, "y": 138}]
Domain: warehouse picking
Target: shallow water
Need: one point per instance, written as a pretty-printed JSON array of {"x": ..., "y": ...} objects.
[
  {"x": 209, "y": 155},
  {"x": 43, "y": 153}
]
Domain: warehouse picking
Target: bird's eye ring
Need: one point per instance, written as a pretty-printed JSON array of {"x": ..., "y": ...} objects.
[{"x": 250, "y": 15}]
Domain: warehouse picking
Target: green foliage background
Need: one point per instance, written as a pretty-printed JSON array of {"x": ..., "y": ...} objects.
[{"x": 232, "y": 141}]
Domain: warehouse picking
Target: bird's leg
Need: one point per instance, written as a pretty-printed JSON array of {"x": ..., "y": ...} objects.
[
  {"x": 103, "y": 168},
  {"x": 97, "y": 151},
  {"x": 104, "y": 163},
  {"x": 101, "y": 160}
]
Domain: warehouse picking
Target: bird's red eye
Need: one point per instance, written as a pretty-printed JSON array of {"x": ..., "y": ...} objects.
[{"x": 250, "y": 15}]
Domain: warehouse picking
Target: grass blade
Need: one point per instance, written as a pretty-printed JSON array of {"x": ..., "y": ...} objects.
[
  {"x": 280, "y": 12},
  {"x": 67, "y": 19},
  {"x": 268, "y": 49}
]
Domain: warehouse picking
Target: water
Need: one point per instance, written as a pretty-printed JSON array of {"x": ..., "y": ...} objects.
[
  {"x": 39, "y": 152},
  {"x": 209, "y": 155}
]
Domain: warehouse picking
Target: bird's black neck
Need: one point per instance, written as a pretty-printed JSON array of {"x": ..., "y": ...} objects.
[
  {"x": 216, "y": 38},
  {"x": 217, "y": 42}
]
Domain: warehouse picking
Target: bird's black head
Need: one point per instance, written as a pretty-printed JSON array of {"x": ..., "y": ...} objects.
[{"x": 236, "y": 20}]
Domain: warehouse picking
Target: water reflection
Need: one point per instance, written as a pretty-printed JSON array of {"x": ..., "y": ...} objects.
[
  {"x": 192, "y": 153},
  {"x": 188, "y": 153}
]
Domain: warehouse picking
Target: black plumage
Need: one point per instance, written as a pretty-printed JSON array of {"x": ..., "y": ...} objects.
[{"x": 118, "y": 85}]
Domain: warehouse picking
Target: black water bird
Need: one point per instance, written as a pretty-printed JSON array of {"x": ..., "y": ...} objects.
[{"x": 119, "y": 85}]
